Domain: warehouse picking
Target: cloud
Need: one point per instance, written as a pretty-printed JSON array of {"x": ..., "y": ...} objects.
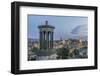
[{"x": 80, "y": 29}]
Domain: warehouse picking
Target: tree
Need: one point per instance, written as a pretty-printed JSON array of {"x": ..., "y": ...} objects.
[
  {"x": 74, "y": 54},
  {"x": 34, "y": 50},
  {"x": 63, "y": 53}
]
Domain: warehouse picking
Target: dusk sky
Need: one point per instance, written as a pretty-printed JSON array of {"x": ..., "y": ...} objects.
[{"x": 65, "y": 26}]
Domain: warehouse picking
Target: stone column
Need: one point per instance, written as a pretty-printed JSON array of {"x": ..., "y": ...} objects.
[
  {"x": 44, "y": 34},
  {"x": 47, "y": 40},
  {"x": 51, "y": 39},
  {"x": 40, "y": 40}
]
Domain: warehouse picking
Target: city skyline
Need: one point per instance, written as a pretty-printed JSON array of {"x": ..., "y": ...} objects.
[{"x": 66, "y": 27}]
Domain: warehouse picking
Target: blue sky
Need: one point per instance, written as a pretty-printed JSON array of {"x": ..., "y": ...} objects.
[{"x": 65, "y": 26}]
